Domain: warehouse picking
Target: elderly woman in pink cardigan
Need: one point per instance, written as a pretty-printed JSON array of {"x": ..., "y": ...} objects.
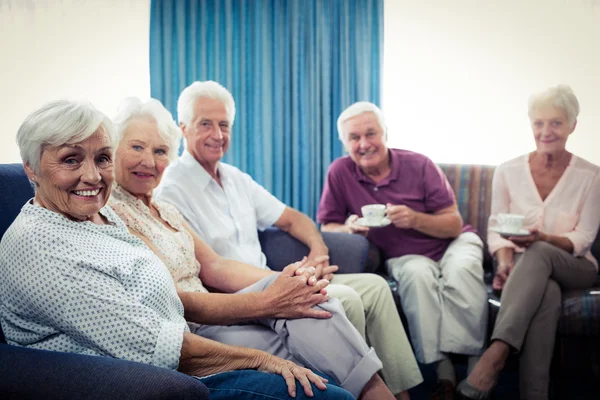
[{"x": 558, "y": 194}]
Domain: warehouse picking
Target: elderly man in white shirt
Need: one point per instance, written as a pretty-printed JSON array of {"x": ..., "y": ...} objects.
[{"x": 227, "y": 207}]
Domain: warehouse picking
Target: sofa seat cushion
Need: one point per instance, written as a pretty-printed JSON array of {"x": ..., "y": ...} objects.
[{"x": 580, "y": 313}]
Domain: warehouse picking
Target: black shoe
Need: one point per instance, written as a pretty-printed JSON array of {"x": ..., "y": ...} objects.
[{"x": 443, "y": 390}]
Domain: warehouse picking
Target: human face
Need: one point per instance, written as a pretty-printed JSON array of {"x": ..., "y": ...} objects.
[
  {"x": 208, "y": 132},
  {"x": 75, "y": 179},
  {"x": 551, "y": 129},
  {"x": 365, "y": 141},
  {"x": 141, "y": 157}
]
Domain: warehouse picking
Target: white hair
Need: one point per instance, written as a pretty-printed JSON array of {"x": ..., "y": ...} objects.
[
  {"x": 57, "y": 123},
  {"x": 133, "y": 108},
  {"x": 208, "y": 89},
  {"x": 356, "y": 109},
  {"x": 560, "y": 96}
]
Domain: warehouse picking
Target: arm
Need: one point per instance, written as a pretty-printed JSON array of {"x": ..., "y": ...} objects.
[
  {"x": 287, "y": 297},
  {"x": 444, "y": 223},
  {"x": 201, "y": 357},
  {"x": 302, "y": 228},
  {"x": 348, "y": 227}
]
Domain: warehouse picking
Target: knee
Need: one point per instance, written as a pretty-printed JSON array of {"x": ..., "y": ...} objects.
[
  {"x": 416, "y": 272},
  {"x": 538, "y": 257},
  {"x": 375, "y": 282},
  {"x": 350, "y": 300}
]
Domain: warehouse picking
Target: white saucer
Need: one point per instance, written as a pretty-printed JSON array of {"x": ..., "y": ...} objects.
[
  {"x": 362, "y": 222},
  {"x": 521, "y": 232}
]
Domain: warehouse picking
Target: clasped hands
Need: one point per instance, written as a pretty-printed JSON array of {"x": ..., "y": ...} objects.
[{"x": 298, "y": 289}]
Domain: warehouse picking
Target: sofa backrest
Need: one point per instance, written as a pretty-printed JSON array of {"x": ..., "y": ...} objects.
[{"x": 15, "y": 190}]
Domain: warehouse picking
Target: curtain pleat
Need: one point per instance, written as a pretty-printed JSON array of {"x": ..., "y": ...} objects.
[{"x": 292, "y": 67}]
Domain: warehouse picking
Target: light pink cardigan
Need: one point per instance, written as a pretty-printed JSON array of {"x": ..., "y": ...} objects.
[{"x": 571, "y": 210}]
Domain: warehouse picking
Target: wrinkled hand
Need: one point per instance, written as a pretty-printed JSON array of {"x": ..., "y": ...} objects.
[
  {"x": 402, "y": 216},
  {"x": 526, "y": 241},
  {"x": 354, "y": 228},
  {"x": 293, "y": 296},
  {"x": 319, "y": 258},
  {"x": 291, "y": 372}
]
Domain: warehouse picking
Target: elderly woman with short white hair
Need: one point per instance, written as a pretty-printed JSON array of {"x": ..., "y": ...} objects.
[
  {"x": 256, "y": 308},
  {"x": 558, "y": 194},
  {"x": 74, "y": 279}
]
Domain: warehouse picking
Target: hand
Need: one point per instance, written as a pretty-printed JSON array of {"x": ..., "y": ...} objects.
[
  {"x": 526, "y": 241},
  {"x": 319, "y": 258},
  {"x": 292, "y": 296},
  {"x": 354, "y": 228},
  {"x": 402, "y": 216},
  {"x": 291, "y": 372},
  {"x": 502, "y": 273}
]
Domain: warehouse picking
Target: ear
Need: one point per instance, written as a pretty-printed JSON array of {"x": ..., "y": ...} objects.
[
  {"x": 573, "y": 127},
  {"x": 183, "y": 128},
  {"x": 30, "y": 173}
]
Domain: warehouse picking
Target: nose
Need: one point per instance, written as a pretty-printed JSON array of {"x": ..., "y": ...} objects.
[
  {"x": 90, "y": 173},
  {"x": 148, "y": 159},
  {"x": 216, "y": 133},
  {"x": 363, "y": 142}
]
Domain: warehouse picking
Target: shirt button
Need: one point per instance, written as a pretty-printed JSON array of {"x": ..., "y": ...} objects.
[{"x": 375, "y": 188}]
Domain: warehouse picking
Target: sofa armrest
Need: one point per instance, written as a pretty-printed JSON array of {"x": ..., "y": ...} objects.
[
  {"x": 39, "y": 374},
  {"x": 347, "y": 251}
]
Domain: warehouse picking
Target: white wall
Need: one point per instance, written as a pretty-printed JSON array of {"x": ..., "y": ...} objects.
[
  {"x": 51, "y": 49},
  {"x": 458, "y": 73}
]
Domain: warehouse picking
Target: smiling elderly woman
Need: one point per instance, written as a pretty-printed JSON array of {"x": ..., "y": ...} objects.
[
  {"x": 74, "y": 279},
  {"x": 558, "y": 194},
  {"x": 259, "y": 308}
]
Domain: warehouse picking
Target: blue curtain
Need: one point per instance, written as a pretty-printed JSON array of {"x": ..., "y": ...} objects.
[{"x": 292, "y": 67}]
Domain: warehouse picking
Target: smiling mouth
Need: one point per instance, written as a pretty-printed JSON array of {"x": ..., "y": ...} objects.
[
  {"x": 214, "y": 146},
  {"x": 143, "y": 175},
  {"x": 87, "y": 193}
]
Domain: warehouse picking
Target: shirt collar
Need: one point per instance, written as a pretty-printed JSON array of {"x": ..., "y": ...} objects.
[
  {"x": 394, "y": 175},
  {"x": 201, "y": 176}
]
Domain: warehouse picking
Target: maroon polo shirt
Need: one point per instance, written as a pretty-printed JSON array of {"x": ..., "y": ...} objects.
[{"x": 414, "y": 181}]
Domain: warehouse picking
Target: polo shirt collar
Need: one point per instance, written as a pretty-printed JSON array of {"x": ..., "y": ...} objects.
[
  {"x": 201, "y": 176},
  {"x": 394, "y": 175}
]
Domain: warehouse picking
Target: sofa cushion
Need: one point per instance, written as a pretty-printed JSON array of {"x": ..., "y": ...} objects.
[{"x": 15, "y": 191}]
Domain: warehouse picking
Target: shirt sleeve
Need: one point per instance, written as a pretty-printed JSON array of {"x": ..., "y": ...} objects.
[
  {"x": 268, "y": 208},
  {"x": 438, "y": 192},
  {"x": 586, "y": 229},
  {"x": 332, "y": 207},
  {"x": 59, "y": 295},
  {"x": 500, "y": 204}
]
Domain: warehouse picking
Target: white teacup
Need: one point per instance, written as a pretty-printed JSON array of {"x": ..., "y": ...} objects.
[
  {"x": 373, "y": 213},
  {"x": 510, "y": 222}
]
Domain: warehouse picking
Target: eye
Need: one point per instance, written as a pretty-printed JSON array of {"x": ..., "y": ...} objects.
[
  {"x": 370, "y": 134},
  {"x": 224, "y": 127},
  {"x": 206, "y": 124},
  {"x": 353, "y": 138},
  {"x": 104, "y": 160},
  {"x": 161, "y": 152},
  {"x": 71, "y": 161},
  {"x": 556, "y": 123},
  {"x": 538, "y": 124},
  {"x": 137, "y": 147}
]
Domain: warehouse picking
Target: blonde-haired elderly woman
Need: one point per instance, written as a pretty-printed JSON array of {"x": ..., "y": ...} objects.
[
  {"x": 558, "y": 194},
  {"x": 274, "y": 312}
]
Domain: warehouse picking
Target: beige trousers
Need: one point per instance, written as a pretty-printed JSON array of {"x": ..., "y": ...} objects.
[
  {"x": 530, "y": 307},
  {"x": 445, "y": 302},
  {"x": 369, "y": 305}
]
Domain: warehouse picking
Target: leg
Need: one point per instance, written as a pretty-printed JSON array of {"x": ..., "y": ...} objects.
[
  {"x": 253, "y": 385},
  {"x": 521, "y": 301},
  {"x": 534, "y": 363},
  {"x": 351, "y": 303},
  {"x": 418, "y": 285},
  {"x": 332, "y": 346},
  {"x": 464, "y": 297},
  {"x": 384, "y": 330}
]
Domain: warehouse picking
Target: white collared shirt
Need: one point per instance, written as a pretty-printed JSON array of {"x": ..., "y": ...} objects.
[{"x": 227, "y": 218}]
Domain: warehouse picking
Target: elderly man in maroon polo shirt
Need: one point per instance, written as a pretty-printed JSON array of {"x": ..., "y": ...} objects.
[{"x": 436, "y": 261}]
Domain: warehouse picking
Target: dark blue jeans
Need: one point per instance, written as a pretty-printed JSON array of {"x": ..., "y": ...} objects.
[{"x": 253, "y": 385}]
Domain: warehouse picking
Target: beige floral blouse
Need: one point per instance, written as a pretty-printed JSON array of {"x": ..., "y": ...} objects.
[{"x": 176, "y": 248}]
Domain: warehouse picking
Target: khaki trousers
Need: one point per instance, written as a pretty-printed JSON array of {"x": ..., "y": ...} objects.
[
  {"x": 369, "y": 305},
  {"x": 445, "y": 302},
  {"x": 530, "y": 307}
]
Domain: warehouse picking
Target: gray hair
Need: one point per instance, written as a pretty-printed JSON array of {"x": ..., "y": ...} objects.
[
  {"x": 133, "y": 108},
  {"x": 560, "y": 96},
  {"x": 208, "y": 89},
  {"x": 356, "y": 109},
  {"x": 57, "y": 123}
]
